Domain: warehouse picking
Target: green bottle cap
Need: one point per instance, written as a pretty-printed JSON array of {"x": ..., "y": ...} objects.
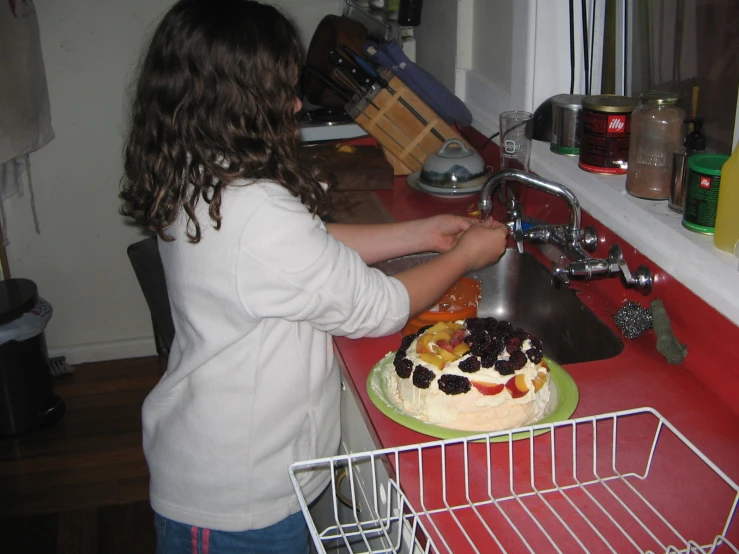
[{"x": 708, "y": 164}]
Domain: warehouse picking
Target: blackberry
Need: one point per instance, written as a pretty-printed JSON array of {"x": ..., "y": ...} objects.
[
  {"x": 491, "y": 324},
  {"x": 470, "y": 364},
  {"x": 407, "y": 340},
  {"x": 518, "y": 359},
  {"x": 454, "y": 384},
  {"x": 503, "y": 328},
  {"x": 478, "y": 349},
  {"x": 512, "y": 344},
  {"x": 504, "y": 367},
  {"x": 488, "y": 359},
  {"x": 422, "y": 377},
  {"x": 495, "y": 347},
  {"x": 535, "y": 355},
  {"x": 536, "y": 343},
  {"x": 474, "y": 324},
  {"x": 404, "y": 368},
  {"x": 476, "y": 336}
]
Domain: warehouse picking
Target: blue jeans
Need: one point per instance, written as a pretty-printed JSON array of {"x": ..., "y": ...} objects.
[{"x": 289, "y": 536}]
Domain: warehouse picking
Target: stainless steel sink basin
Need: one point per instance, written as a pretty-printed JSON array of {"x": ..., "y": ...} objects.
[{"x": 519, "y": 289}]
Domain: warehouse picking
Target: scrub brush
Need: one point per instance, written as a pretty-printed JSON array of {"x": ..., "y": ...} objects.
[{"x": 633, "y": 320}]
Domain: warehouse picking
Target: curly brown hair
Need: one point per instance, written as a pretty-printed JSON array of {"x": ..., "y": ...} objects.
[{"x": 215, "y": 101}]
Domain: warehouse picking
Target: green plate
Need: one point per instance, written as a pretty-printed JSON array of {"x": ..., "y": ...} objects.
[{"x": 567, "y": 397}]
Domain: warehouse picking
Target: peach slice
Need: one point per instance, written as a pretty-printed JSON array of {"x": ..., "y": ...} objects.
[
  {"x": 424, "y": 344},
  {"x": 442, "y": 335},
  {"x": 432, "y": 359},
  {"x": 539, "y": 380},
  {"x": 446, "y": 354},
  {"x": 461, "y": 349},
  {"x": 438, "y": 327},
  {"x": 488, "y": 389},
  {"x": 454, "y": 326},
  {"x": 516, "y": 385}
]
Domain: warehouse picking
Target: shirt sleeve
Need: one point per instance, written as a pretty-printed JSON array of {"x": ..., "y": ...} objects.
[{"x": 290, "y": 267}]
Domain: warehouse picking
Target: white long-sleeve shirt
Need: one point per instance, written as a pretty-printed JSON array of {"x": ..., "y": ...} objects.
[{"x": 252, "y": 384}]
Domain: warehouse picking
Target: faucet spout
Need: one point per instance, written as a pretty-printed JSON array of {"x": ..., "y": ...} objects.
[
  {"x": 571, "y": 239},
  {"x": 560, "y": 191}
]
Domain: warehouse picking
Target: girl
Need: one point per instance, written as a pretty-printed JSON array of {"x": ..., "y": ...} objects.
[{"x": 257, "y": 283}]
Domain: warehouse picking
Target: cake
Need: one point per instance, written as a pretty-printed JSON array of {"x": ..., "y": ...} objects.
[{"x": 477, "y": 374}]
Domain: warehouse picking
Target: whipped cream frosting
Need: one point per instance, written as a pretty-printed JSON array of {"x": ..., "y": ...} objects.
[{"x": 471, "y": 411}]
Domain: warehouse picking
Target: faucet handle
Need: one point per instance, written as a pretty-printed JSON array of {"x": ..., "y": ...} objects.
[
  {"x": 560, "y": 270},
  {"x": 590, "y": 239},
  {"x": 518, "y": 234},
  {"x": 641, "y": 279}
]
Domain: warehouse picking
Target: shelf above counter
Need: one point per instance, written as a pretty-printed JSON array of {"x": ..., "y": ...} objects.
[{"x": 652, "y": 228}]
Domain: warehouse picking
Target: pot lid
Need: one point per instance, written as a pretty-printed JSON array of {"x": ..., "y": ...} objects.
[{"x": 454, "y": 149}]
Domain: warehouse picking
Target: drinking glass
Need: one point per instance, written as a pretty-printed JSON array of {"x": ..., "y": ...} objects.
[{"x": 516, "y": 131}]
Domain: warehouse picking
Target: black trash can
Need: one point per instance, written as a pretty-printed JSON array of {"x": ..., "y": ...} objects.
[{"x": 27, "y": 399}]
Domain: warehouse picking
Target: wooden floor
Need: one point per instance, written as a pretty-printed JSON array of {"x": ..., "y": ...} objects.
[{"x": 80, "y": 486}]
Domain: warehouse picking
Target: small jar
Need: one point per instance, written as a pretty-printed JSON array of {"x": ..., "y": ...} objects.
[{"x": 657, "y": 133}]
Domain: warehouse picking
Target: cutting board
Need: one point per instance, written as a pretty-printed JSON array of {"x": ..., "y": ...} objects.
[{"x": 354, "y": 168}]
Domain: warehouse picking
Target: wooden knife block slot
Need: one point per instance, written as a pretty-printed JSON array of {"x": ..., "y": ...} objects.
[{"x": 406, "y": 128}]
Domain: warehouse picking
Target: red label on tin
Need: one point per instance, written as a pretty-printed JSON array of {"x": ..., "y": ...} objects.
[
  {"x": 616, "y": 124},
  {"x": 705, "y": 182}
]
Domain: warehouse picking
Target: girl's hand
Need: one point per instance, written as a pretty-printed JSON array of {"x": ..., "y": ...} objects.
[
  {"x": 483, "y": 243},
  {"x": 443, "y": 231},
  {"x": 478, "y": 245}
]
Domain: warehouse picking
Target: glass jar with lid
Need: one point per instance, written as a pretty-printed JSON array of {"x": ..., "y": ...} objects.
[{"x": 657, "y": 134}]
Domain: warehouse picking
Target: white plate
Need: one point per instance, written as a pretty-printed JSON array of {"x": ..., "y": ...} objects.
[{"x": 415, "y": 183}]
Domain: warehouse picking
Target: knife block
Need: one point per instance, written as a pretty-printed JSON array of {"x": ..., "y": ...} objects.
[{"x": 406, "y": 128}]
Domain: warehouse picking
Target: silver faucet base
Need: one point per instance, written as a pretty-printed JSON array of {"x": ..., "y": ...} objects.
[{"x": 571, "y": 239}]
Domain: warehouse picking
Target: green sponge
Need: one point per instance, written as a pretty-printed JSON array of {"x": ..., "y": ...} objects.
[{"x": 667, "y": 344}]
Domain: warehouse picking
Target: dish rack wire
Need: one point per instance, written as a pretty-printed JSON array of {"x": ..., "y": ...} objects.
[{"x": 625, "y": 481}]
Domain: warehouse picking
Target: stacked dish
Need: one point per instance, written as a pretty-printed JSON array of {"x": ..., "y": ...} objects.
[{"x": 453, "y": 171}]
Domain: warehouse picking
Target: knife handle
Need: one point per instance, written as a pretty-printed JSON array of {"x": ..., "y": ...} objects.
[{"x": 339, "y": 60}]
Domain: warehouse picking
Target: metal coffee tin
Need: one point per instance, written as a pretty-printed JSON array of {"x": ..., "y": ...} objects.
[
  {"x": 701, "y": 197},
  {"x": 566, "y": 124},
  {"x": 678, "y": 181},
  {"x": 606, "y": 132}
]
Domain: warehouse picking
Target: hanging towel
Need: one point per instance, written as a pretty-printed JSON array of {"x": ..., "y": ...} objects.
[{"x": 25, "y": 116}]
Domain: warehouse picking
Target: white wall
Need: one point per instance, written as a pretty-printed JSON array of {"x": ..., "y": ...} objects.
[
  {"x": 494, "y": 72},
  {"x": 436, "y": 40},
  {"x": 79, "y": 260}
]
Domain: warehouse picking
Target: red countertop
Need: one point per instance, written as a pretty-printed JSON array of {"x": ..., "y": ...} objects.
[{"x": 698, "y": 396}]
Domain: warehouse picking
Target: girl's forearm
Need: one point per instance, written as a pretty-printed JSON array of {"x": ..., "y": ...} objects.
[
  {"x": 379, "y": 242},
  {"x": 428, "y": 282}
]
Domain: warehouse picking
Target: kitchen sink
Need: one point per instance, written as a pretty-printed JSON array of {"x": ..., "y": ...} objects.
[{"x": 519, "y": 289}]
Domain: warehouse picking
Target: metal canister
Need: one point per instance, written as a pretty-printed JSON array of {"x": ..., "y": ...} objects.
[
  {"x": 606, "y": 132},
  {"x": 701, "y": 197},
  {"x": 566, "y": 124},
  {"x": 678, "y": 182}
]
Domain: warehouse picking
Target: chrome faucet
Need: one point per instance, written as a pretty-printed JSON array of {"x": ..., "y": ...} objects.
[{"x": 572, "y": 240}]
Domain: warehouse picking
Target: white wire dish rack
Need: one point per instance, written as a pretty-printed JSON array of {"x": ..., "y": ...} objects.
[{"x": 621, "y": 482}]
